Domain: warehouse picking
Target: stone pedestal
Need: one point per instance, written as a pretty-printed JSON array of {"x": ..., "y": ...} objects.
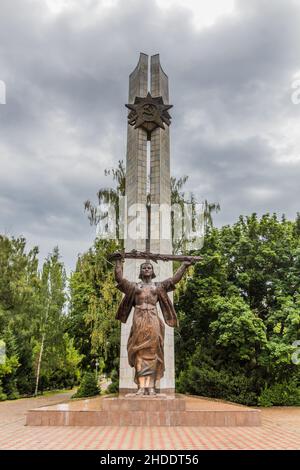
[{"x": 162, "y": 410}]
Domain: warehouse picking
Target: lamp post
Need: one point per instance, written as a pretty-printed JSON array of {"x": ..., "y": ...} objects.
[{"x": 97, "y": 365}]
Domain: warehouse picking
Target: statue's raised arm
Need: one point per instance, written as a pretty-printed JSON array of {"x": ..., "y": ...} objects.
[
  {"x": 180, "y": 271},
  {"x": 123, "y": 284},
  {"x": 169, "y": 284},
  {"x": 119, "y": 270}
]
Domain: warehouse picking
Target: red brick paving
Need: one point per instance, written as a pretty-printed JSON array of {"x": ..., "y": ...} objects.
[{"x": 280, "y": 430}]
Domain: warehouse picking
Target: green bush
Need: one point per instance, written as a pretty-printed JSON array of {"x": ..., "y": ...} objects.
[
  {"x": 3, "y": 395},
  {"x": 11, "y": 389},
  {"x": 88, "y": 386},
  {"x": 239, "y": 314},
  {"x": 8, "y": 381},
  {"x": 114, "y": 386},
  {"x": 204, "y": 380},
  {"x": 284, "y": 394}
]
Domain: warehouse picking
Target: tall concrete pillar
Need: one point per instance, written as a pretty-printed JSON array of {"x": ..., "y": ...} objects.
[
  {"x": 160, "y": 190},
  {"x": 136, "y": 193},
  {"x": 142, "y": 128}
]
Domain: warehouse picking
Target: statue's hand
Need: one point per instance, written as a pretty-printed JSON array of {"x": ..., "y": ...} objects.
[
  {"x": 188, "y": 263},
  {"x": 119, "y": 256}
]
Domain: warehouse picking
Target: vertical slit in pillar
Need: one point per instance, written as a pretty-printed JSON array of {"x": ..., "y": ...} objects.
[
  {"x": 149, "y": 78},
  {"x": 148, "y": 163}
]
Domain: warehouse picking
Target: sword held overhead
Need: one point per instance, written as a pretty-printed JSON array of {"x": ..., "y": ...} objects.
[{"x": 134, "y": 254}]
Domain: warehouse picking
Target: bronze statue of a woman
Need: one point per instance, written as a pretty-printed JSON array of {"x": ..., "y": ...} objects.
[{"x": 146, "y": 340}]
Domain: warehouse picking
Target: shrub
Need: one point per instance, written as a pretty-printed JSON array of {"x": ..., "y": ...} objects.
[
  {"x": 114, "y": 386},
  {"x": 3, "y": 395},
  {"x": 284, "y": 394},
  {"x": 222, "y": 384},
  {"x": 239, "y": 314},
  {"x": 88, "y": 386}
]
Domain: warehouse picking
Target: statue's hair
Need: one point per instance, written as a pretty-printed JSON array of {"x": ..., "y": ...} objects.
[{"x": 153, "y": 273}]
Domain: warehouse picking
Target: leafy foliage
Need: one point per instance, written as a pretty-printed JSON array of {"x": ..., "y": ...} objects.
[
  {"x": 286, "y": 393},
  {"x": 32, "y": 312},
  {"x": 178, "y": 198},
  {"x": 239, "y": 313},
  {"x": 94, "y": 301},
  {"x": 88, "y": 386},
  {"x": 114, "y": 386}
]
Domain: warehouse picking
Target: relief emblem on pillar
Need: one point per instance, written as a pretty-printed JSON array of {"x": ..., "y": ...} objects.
[{"x": 149, "y": 113}]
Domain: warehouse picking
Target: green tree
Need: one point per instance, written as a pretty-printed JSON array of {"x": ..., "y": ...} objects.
[
  {"x": 19, "y": 308},
  {"x": 178, "y": 197},
  {"x": 239, "y": 312},
  {"x": 51, "y": 322},
  {"x": 109, "y": 195},
  {"x": 93, "y": 306},
  {"x": 56, "y": 358},
  {"x": 33, "y": 321}
]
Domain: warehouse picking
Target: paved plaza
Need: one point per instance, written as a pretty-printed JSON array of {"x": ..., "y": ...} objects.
[{"x": 280, "y": 430}]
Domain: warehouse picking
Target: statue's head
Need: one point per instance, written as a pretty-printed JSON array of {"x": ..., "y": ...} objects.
[{"x": 146, "y": 270}]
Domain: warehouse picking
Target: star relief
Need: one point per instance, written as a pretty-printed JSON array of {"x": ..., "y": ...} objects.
[{"x": 149, "y": 113}]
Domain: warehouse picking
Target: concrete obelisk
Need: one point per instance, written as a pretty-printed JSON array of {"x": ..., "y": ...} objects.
[{"x": 148, "y": 157}]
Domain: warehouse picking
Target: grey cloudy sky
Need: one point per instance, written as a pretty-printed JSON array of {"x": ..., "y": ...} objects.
[{"x": 65, "y": 63}]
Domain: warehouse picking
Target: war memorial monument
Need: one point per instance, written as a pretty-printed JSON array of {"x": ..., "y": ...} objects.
[{"x": 144, "y": 274}]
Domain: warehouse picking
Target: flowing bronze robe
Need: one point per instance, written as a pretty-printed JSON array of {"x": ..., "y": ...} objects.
[{"x": 146, "y": 340}]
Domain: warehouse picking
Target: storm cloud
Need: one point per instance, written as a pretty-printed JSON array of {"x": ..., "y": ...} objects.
[{"x": 235, "y": 129}]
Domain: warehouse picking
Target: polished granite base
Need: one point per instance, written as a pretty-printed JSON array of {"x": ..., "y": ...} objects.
[{"x": 162, "y": 410}]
